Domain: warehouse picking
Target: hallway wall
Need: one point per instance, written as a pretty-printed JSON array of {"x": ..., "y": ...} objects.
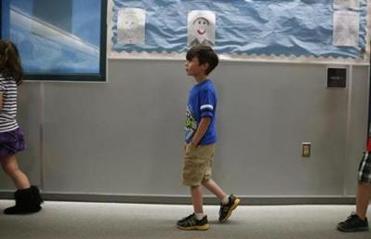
[{"x": 124, "y": 137}]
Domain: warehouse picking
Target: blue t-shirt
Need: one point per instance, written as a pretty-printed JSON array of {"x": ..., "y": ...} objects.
[{"x": 201, "y": 103}]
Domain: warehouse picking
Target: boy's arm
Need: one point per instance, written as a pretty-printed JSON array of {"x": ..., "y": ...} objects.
[{"x": 201, "y": 130}]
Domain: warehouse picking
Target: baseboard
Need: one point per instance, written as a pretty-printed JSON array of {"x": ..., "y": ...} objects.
[{"x": 171, "y": 199}]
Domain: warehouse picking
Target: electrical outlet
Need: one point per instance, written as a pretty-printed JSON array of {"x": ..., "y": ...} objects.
[{"x": 306, "y": 149}]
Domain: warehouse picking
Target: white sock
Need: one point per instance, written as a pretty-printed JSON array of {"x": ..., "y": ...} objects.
[
  {"x": 225, "y": 200},
  {"x": 199, "y": 216}
]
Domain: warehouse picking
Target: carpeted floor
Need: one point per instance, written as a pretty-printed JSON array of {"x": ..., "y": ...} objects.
[{"x": 75, "y": 220}]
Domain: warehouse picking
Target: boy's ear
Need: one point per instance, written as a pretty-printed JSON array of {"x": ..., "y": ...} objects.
[{"x": 205, "y": 65}]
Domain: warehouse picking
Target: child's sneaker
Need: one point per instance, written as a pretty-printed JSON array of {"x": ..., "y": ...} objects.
[
  {"x": 353, "y": 224},
  {"x": 225, "y": 211},
  {"x": 191, "y": 223}
]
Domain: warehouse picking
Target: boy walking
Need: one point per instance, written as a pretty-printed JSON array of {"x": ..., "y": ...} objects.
[{"x": 200, "y": 139}]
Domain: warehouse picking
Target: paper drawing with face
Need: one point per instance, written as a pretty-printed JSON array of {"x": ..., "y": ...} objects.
[
  {"x": 201, "y": 28},
  {"x": 131, "y": 25}
]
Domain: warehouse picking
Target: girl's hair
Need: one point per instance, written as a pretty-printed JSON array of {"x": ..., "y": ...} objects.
[{"x": 10, "y": 62}]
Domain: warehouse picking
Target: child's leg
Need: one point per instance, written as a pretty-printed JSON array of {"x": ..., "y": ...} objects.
[
  {"x": 197, "y": 220},
  {"x": 357, "y": 222},
  {"x": 228, "y": 203},
  {"x": 214, "y": 188},
  {"x": 197, "y": 201},
  {"x": 363, "y": 197},
  {"x": 10, "y": 166}
]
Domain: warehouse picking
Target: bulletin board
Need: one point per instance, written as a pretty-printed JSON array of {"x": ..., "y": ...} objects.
[{"x": 257, "y": 30}]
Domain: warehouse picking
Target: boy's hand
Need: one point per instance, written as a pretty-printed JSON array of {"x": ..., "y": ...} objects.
[
  {"x": 201, "y": 130},
  {"x": 187, "y": 147}
]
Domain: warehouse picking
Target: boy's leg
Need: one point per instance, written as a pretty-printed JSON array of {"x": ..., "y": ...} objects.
[
  {"x": 11, "y": 168},
  {"x": 363, "y": 198},
  {"x": 197, "y": 220},
  {"x": 214, "y": 188},
  {"x": 197, "y": 200},
  {"x": 228, "y": 203},
  {"x": 358, "y": 221},
  {"x": 193, "y": 171}
]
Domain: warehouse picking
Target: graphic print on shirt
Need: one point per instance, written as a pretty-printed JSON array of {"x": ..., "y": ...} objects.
[{"x": 190, "y": 125}]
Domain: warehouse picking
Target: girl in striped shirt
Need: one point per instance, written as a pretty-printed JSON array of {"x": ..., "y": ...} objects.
[{"x": 27, "y": 197}]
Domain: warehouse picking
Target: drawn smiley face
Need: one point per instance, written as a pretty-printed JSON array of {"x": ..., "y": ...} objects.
[{"x": 201, "y": 26}]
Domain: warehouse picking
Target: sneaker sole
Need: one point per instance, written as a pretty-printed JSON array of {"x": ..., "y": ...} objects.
[
  {"x": 198, "y": 228},
  {"x": 235, "y": 205},
  {"x": 361, "y": 229}
]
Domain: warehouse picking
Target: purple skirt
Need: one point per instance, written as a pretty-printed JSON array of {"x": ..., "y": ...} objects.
[{"x": 11, "y": 142}]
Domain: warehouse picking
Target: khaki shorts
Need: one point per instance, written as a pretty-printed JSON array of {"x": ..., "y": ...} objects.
[{"x": 197, "y": 164}]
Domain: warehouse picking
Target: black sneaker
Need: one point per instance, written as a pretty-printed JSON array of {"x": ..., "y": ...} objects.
[
  {"x": 191, "y": 223},
  {"x": 353, "y": 224},
  {"x": 225, "y": 211}
]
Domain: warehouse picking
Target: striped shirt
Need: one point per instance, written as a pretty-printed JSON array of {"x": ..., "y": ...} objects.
[{"x": 8, "y": 112}]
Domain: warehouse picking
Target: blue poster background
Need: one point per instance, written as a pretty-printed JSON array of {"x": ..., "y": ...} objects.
[{"x": 252, "y": 27}]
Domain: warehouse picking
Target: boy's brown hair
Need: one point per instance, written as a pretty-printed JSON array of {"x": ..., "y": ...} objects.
[{"x": 204, "y": 54}]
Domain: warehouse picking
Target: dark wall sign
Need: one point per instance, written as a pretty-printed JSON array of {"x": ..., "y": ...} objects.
[{"x": 336, "y": 77}]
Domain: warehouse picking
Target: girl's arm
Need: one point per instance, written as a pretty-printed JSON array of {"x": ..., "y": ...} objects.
[{"x": 201, "y": 130}]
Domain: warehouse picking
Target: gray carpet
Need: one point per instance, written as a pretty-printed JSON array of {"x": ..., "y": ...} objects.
[{"x": 138, "y": 221}]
